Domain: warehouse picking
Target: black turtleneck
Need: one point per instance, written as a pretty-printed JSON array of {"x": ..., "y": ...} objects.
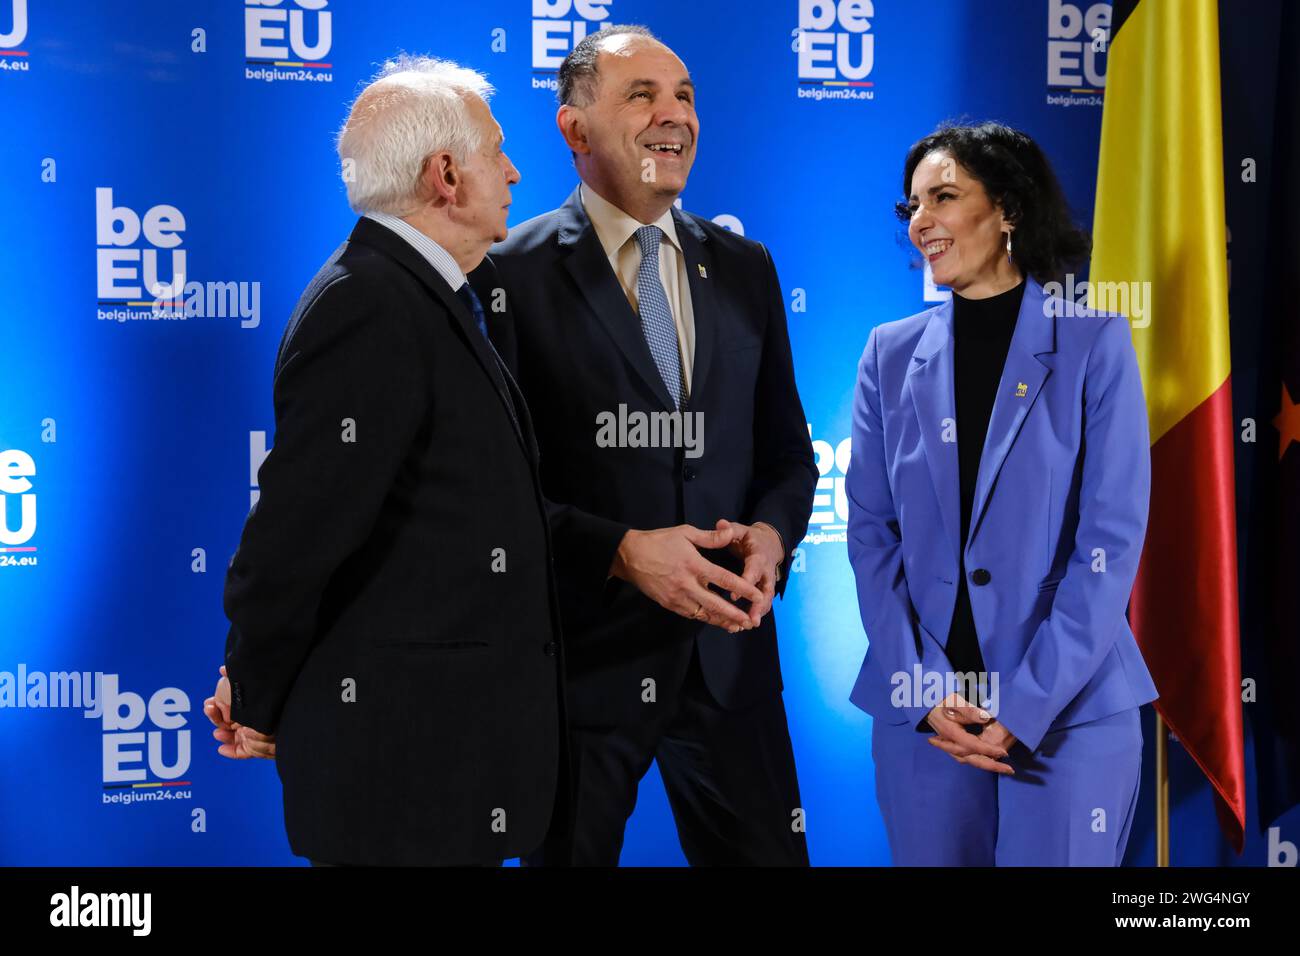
[{"x": 982, "y": 330}]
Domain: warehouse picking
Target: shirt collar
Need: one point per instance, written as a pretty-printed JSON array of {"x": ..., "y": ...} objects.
[
  {"x": 434, "y": 254},
  {"x": 614, "y": 227}
]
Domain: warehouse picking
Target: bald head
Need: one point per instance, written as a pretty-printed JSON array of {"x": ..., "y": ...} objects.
[{"x": 581, "y": 68}]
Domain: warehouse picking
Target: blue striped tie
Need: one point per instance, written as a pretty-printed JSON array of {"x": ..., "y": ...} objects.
[
  {"x": 466, "y": 294},
  {"x": 656, "y": 317}
]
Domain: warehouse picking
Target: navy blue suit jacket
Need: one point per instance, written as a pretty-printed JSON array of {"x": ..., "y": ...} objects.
[
  {"x": 564, "y": 326},
  {"x": 371, "y": 561}
]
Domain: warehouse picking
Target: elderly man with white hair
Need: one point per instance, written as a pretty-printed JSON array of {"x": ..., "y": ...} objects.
[{"x": 394, "y": 643}]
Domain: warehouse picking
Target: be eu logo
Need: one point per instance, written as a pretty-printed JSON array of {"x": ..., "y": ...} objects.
[
  {"x": 124, "y": 272},
  {"x": 17, "y": 509},
  {"x": 1078, "y": 38},
  {"x": 835, "y": 48},
  {"x": 287, "y": 40},
  {"x": 13, "y": 31},
  {"x": 143, "y": 739},
  {"x": 559, "y": 25}
]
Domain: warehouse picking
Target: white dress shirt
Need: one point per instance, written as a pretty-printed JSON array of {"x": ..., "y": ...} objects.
[
  {"x": 616, "y": 231},
  {"x": 434, "y": 254}
]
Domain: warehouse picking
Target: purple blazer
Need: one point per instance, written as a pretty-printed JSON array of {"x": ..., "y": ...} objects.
[{"x": 1056, "y": 528}]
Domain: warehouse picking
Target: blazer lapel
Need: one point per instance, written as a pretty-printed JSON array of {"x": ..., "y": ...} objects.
[
  {"x": 590, "y": 269},
  {"x": 1022, "y": 379},
  {"x": 930, "y": 383},
  {"x": 373, "y": 234},
  {"x": 525, "y": 420},
  {"x": 701, "y": 277}
]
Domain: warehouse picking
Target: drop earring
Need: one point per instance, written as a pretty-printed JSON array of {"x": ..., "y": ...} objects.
[{"x": 1008, "y": 247}]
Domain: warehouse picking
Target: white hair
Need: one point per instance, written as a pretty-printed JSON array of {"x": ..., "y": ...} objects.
[{"x": 414, "y": 107}]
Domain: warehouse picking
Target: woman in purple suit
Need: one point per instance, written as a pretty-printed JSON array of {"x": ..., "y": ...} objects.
[{"x": 998, "y": 494}]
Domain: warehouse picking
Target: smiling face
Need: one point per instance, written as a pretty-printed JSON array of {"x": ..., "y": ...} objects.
[
  {"x": 958, "y": 229},
  {"x": 634, "y": 143}
]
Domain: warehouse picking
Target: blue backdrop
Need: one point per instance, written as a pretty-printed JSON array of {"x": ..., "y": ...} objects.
[{"x": 154, "y": 137}]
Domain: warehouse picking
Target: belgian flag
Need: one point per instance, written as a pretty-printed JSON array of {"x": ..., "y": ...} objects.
[{"x": 1159, "y": 233}]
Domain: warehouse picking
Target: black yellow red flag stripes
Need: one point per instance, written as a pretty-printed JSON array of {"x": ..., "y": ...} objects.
[{"x": 1159, "y": 239}]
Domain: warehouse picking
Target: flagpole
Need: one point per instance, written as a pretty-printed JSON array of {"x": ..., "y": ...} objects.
[{"x": 1162, "y": 792}]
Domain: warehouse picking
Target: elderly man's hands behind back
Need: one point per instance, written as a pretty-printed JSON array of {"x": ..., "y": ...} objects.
[{"x": 237, "y": 741}]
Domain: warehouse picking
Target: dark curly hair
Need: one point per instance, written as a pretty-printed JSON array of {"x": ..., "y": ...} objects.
[{"x": 1019, "y": 181}]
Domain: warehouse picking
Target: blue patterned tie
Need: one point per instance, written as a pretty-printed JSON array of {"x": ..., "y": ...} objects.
[
  {"x": 466, "y": 295},
  {"x": 656, "y": 317}
]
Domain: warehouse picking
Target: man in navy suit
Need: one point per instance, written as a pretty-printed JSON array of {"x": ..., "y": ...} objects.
[
  {"x": 394, "y": 638},
  {"x": 394, "y": 641},
  {"x": 652, "y": 347}
]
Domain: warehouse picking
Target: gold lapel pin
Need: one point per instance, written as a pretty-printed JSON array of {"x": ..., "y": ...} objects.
[
  {"x": 1021, "y": 390},
  {"x": 704, "y": 273}
]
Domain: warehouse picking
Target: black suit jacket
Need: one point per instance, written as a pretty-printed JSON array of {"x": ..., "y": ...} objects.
[
  {"x": 413, "y": 685},
  {"x": 565, "y": 327}
]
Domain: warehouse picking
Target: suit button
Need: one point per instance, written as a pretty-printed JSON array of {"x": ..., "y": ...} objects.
[
  {"x": 549, "y": 649},
  {"x": 981, "y": 576},
  {"x": 689, "y": 473}
]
